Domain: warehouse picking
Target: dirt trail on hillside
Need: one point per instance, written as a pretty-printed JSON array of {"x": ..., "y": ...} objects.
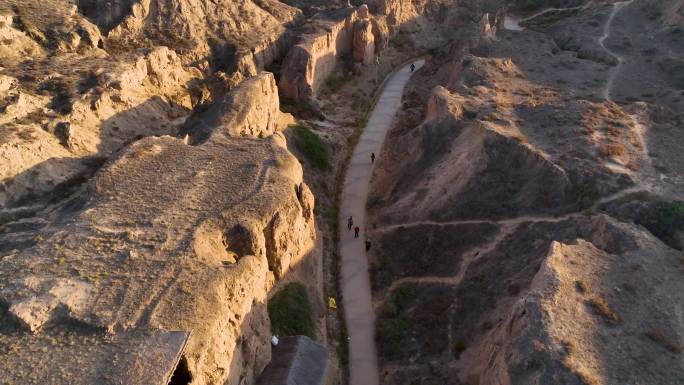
[{"x": 602, "y": 40}]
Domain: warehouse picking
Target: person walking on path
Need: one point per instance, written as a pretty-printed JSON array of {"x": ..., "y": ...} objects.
[
  {"x": 368, "y": 244},
  {"x": 356, "y": 231},
  {"x": 350, "y": 223},
  {"x": 413, "y": 67},
  {"x": 372, "y": 157}
]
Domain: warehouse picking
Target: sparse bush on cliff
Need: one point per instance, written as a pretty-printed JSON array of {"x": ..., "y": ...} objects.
[
  {"x": 337, "y": 80},
  {"x": 312, "y": 147},
  {"x": 664, "y": 220},
  {"x": 602, "y": 308},
  {"x": 401, "y": 40},
  {"x": 393, "y": 327},
  {"x": 302, "y": 109},
  {"x": 290, "y": 312},
  {"x": 670, "y": 217}
]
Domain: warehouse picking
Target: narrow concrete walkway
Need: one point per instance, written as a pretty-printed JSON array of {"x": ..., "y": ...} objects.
[{"x": 363, "y": 363}]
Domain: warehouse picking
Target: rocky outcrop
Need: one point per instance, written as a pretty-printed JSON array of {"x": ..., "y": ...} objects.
[
  {"x": 20, "y": 44},
  {"x": 309, "y": 62},
  {"x": 215, "y": 36},
  {"x": 583, "y": 293},
  {"x": 459, "y": 160},
  {"x": 569, "y": 286},
  {"x": 123, "y": 101},
  {"x": 193, "y": 244},
  {"x": 364, "y": 42},
  {"x": 252, "y": 110},
  {"x": 381, "y": 33}
]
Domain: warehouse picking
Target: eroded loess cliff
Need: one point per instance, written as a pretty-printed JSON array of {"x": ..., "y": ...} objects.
[
  {"x": 149, "y": 204},
  {"x": 526, "y": 207},
  {"x": 166, "y": 236}
]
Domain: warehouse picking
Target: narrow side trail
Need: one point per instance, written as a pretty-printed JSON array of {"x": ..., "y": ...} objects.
[
  {"x": 356, "y": 289},
  {"x": 513, "y": 23},
  {"x": 647, "y": 168},
  {"x": 602, "y": 42}
]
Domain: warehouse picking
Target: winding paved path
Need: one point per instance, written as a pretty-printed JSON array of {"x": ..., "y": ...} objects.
[{"x": 356, "y": 289}]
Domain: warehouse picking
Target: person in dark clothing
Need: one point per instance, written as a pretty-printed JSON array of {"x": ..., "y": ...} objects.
[
  {"x": 356, "y": 231},
  {"x": 350, "y": 223},
  {"x": 372, "y": 157},
  {"x": 413, "y": 67},
  {"x": 368, "y": 244}
]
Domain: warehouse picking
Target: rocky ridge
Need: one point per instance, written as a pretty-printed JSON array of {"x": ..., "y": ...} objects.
[{"x": 551, "y": 205}]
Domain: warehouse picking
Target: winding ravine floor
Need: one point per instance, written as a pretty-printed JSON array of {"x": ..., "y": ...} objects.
[{"x": 356, "y": 289}]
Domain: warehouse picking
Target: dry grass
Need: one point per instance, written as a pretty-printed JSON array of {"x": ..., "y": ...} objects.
[
  {"x": 658, "y": 336},
  {"x": 612, "y": 149},
  {"x": 602, "y": 308},
  {"x": 613, "y": 131},
  {"x": 585, "y": 377},
  {"x": 569, "y": 347},
  {"x": 582, "y": 286}
]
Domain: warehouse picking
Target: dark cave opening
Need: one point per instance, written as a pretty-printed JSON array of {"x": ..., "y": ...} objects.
[{"x": 181, "y": 375}]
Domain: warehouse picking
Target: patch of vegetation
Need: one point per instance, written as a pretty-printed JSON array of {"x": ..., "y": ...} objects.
[
  {"x": 670, "y": 217},
  {"x": 585, "y": 377},
  {"x": 312, "y": 147},
  {"x": 393, "y": 328},
  {"x": 459, "y": 347},
  {"x": 663, "y": 219},
  {"x": 303, "y": 108},
  {"x": 569, "y": 347},
  {"x": 87, "y": 82},
  {"x": 374, "y": 201},
  {"x": 659, "y": 337},
  {"x": 343, "y": 74},
  {"x": 62, "y": 95},
  {"x": 581, "y": 286},
  {"x": 363, "y": 107},
  {"x": 290, "y": 312},
  {"x": 601, "y": 307},
  {"x": 343, "y": 347},
  {"x": 330, "y": 215},
  {"x": 401, "y": 40},
  {"x": 337, "y": 80},
  {"x": 585, "y": 193},
  {"x": 612, "y": 149}
]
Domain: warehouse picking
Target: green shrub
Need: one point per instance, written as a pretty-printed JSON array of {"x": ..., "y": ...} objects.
[
  {"x": 401, "y": 40},
  {"x": 664, "y": 220},
  {"x": 312, "y": 147},
  {"x": 393, "y": 327},
  {"x": 392, "y": 334},
  {"x": 302, "y": 108},
  {"x": 331, "y": 214},
  {"x": 670, "y": 217},
  {"x": 459, "y": 347},
  {"x": 290, "y": 312},
  {"x": 337, "y": 80},
  {"x": 363, "y": 107}
]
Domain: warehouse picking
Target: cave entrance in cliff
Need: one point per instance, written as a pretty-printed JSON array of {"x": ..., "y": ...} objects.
[{"x": 181, "y": 375}]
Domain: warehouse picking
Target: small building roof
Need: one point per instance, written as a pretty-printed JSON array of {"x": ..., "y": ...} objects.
[
  {"x": 295, "y": 360},
  {"x": 77, "y": 355}
]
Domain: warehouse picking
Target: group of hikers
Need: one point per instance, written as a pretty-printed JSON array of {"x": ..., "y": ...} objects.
[
  {"x": 350, "y": 224},
  {"x": 350, "y": 220}
]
